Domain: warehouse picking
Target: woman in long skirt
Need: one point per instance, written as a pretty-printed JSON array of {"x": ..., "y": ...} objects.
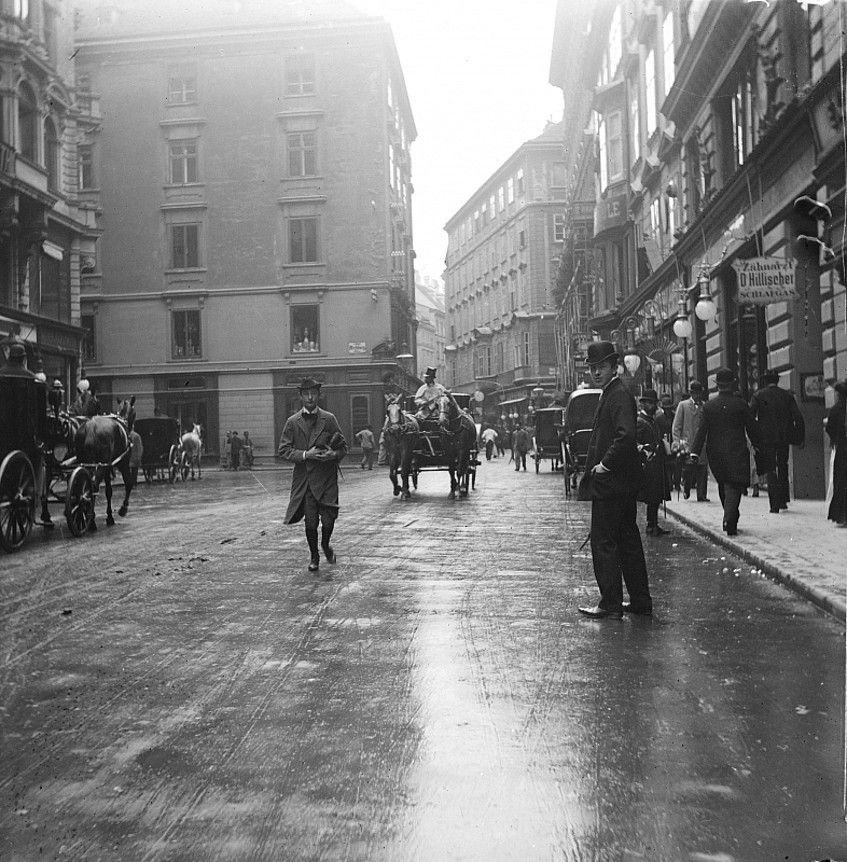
[{"x": 836, "y": 428}]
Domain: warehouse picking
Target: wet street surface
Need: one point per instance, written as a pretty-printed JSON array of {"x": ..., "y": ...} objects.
[{"x": 180, "y": 687}]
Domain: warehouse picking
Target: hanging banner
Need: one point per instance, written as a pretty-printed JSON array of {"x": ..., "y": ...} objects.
[{"x": 763, "y": 280}]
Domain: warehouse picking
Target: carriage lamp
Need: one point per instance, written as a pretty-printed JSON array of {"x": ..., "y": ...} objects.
[{"x": 705, "y": 308}]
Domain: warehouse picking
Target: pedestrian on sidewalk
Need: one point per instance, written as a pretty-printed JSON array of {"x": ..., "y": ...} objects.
[
  {"x": 235, "y": 447},
  {"x": 651, "y": 444},
  {"x": 611, "y": 481},
  {"x": 665, "y": 417},
  {"x": 781, "y": 425},
  {"x": 366, "y": 441},
  {"x": 686, "y": 422},
  {"x": 312, "y": 440},
  {"x": 489, "y": 438},
  {"x": 520, "y": 446},
  {"x": 499, "y": 442},
  {"x": 836, "y": 429},
  {"x": 724, "y": 428}
]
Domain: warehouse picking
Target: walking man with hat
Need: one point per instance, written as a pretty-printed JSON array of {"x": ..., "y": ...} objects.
[
  {"x": 780, "y": 424},
  {"x": 312, "y": 440},
  {"x": 651, "y": 444},
  {"x": 611, "y": 481},
  {"x": 685, "y": 425},
  {"x": 724, "y": 428}
]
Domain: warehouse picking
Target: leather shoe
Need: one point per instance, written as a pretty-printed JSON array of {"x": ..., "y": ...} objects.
[
  {"x": 732, "y": 531},
  {"x": 314, "y": 564},
  {"x": 598, "y": 613},
  {"x": 642, "y": 612},
  {"x": 329, "y": 554},
  {"x": 660, "y": 531}
]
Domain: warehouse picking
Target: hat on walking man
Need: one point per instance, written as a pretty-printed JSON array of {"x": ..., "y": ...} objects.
[{"x": 649, "y": 395}]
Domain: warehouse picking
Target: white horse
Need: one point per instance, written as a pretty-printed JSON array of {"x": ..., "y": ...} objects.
[{"x": 190, "y": 447}]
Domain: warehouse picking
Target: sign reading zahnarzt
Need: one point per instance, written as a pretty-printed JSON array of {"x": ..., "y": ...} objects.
[{"x": 762, "y": 280}]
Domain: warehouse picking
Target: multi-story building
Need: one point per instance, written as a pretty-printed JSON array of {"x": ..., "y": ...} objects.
[
  {"x": 254, "y": 176},
  {"x": 717, "y": 127},
  {"x": 502, "y": 258},
  {"x": 46, "y": 229},
  {"x": 429, "y": 307}
]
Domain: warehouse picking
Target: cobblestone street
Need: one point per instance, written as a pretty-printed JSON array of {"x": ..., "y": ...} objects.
[{"x": 179, "y": 686}]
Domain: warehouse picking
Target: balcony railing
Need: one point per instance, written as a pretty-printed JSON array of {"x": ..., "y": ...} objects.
[{"x": 7, "y": 159}]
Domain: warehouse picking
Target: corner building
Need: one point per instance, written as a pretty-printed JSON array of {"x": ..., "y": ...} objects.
[{"x": 254, "y": 177}]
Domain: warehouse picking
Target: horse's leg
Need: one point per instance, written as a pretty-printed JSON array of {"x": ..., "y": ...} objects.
[
  {"x": 129, "y": 484},
  {"x": 406, "y": 468},
  {"x": 110, "y": 518},
  {"x": 199, "y": 467},
  {"x": 453, "y": 482}
]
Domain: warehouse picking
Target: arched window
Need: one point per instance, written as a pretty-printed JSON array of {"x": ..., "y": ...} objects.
[
  {"x": 52, "y": 152},
  {"x": 27, "y": 123}
]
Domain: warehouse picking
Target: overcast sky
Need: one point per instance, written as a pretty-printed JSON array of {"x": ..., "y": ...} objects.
[{"x": 476, "y": 71}]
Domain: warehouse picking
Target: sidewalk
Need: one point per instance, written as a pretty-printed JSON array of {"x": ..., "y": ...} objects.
[{"x": 798, "y": 547}]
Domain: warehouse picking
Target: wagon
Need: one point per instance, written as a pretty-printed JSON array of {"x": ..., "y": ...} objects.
[
  {"x": 577, "y": 425},
  {"x": 161, "y": 456},
  {"x": 549, "y": 438},
  {"x": 34, "y": 465}
]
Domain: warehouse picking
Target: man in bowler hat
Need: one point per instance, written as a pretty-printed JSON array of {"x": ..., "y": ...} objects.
[
  {"x": 780, "y": 424},
  {"x": 611, "y": 481},
  {"x": 724, "y": 428},
  {"x": 312, "y": 440}
]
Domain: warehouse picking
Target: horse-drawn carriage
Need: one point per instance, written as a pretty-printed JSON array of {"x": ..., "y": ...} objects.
[
  {"x": 548, "y": 439},
  {"x": 161, "y": 456},
  {"x": 578, "y": 422},
  {"x": 35, "y": 466},
  {"x": 444, "y": 443}
]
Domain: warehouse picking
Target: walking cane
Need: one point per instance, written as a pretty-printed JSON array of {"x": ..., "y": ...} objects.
[{"x": 585, "y": 541}]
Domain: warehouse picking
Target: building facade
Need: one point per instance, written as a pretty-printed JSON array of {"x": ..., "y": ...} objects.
[
  {"x": 717, "y": 126},
  {"x": 46, "y": 227},
  {"x": 429, "y": 307},
  {"x": 254, "y": 176},
  {"x": 502, "y": 258}
]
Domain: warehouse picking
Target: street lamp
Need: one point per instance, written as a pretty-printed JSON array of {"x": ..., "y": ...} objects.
[
  {"x": 631, "y": 361},
  {"x": 705, "y": 308}
]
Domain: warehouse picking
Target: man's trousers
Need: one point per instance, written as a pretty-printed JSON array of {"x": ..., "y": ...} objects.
[
  {"x": 778, "y": 492},
  {"x": 617, "y": 552},
  {"x": 730, "y": 494}
]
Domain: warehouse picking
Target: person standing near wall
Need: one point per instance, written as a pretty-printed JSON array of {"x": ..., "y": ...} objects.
[{"x": 366, "y": 441}]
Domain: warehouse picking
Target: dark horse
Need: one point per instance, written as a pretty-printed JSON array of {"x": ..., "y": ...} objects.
[
  {"x": 458, "y": 438},
  {"x": 401, "y": 435},
  {"x": 103, "y": 443}
]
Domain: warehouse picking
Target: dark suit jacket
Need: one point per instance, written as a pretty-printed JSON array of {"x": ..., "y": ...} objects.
[
  {"x": 777, "y": 414},
  {"x": 320, "y": 477},
  {"x": 724, "y": 428},
  {"x": 612, "y": 443}
]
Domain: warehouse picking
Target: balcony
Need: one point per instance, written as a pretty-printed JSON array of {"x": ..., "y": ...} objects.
[{"x": 7, "y": 160}]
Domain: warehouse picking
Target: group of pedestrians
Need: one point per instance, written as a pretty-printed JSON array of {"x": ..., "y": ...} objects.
[{"x": 237, "y": 451}]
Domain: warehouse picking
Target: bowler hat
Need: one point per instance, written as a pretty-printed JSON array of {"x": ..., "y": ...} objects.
[
  {"x": 770, "y": 376},
  {"x": 309, "y": 383},
  {"x": 649, "y": 395},
  {"x": 724, "y": 376},
  {"x": 695, "y": 386},
  {"x": 600, "y": 351},
  {"x": 430, "y": 372}
]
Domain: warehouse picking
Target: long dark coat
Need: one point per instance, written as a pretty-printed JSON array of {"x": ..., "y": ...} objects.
[
  {"x": 320, "y": 477},
  {"x": 612, "y": 442},
  {"x": 778, "y": 415},
  {"x": 724, "y": 428},
  {"x": 648, "y": 431},
  {"x": 835, "y": 424}
]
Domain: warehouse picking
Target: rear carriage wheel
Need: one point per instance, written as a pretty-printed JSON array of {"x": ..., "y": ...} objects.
[
  {"x": 173, "y": 463},
  {"x": 79, "y": 502},
  {"x": 17, "y": 500}
]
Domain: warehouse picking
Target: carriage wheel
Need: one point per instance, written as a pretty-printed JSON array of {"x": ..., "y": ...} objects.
[
  {"x": 79, "y": 501},
  {"x": 184, "y": 466},
  {"x": 173, "y": 463},
  {"x": 17, "y": 500}
]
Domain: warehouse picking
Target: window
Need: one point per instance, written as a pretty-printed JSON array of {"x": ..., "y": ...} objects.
[
  {"x": 50, "y": 32},
  {"x": 182, "y": 86},
  {"x": 603, "y": 155},
  {"x": 614, "y": 146},
  {"x": 522, "y": 239},
  {"x": 650, "y": 92},
  {"x": 525, "y": 349},
  {"x": 635, "y": 123},
  {"x": 85, "y": 154},
  {"x": 27, "y": 123},
  {"x": 185, "y": 246},
  {"x": 20, "y": 9},
  {"x": 559, "y": 227},
  {"x": 303, "y": 154},
  {"x": 52, "y": 153},
  {"x": 305, "y": 330},
  {"x": 300, "y": 75},
  {"x": 745, "y": 118},
  {"x": 303, "y": 240},
  {"x": 89, "y": 337},
  {"x": 183, "y": 162},
  {"x": 615, "y": 42},
  {"x": 668, "y": 68},
  {"x": 186, "y": 334},
  {"x": 501, "y": 199},
  {"x": 360, "y": 412},
  {"x": 520, "y": 182},
  {"x": 510, "y": 186},
  {"x": 558, "y": 179},
  {"x": 547, "y": 348}
]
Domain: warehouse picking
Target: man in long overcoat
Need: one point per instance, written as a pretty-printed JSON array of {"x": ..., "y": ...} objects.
[
  {"x": 651, "y": 442},
  {"x": 780, "y": 424},
  {"x": 686, "y": 422},
  {"x": 312, "y": 440},
  {"x": 611, "y": 481},
  {"x": 724, "y": 428}
]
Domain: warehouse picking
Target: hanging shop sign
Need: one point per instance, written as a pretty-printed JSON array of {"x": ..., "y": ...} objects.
[{"x": 763, "y": 280}]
